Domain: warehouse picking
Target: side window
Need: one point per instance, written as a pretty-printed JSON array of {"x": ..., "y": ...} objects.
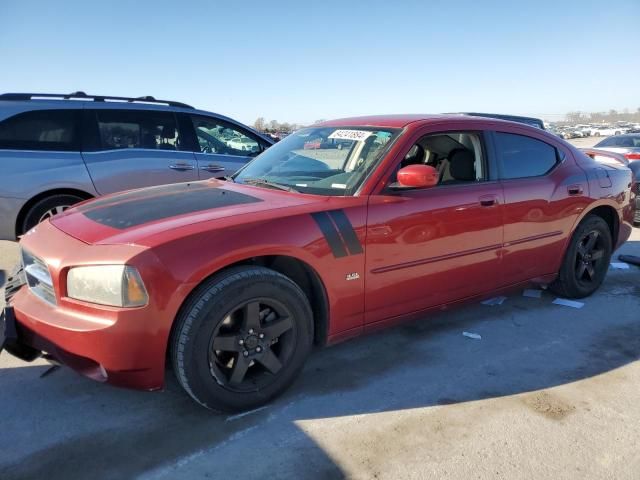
[
  {"x": 523, "y": 156},
  {"x": 120, "y": 129},
  {"x": 215, "y": 136},
  {"x": 457, "y": 156},
  {"x": 53, "y": 130}
]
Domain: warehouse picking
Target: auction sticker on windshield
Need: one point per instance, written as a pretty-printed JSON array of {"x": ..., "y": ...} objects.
[{"x": 357, "y": 135}]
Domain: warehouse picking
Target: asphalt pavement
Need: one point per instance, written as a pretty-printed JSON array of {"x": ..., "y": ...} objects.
[{"x": 548, "y": 392}]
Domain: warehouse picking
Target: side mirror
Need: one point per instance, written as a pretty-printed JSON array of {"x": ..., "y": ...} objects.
[{"x": 416, "y": 176}]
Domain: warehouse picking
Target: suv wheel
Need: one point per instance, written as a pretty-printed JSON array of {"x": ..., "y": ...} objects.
[
  {"x": 586, "y": 261},
  {"x": 47, "y": 208},
  {"x": 242, "y": 338}
]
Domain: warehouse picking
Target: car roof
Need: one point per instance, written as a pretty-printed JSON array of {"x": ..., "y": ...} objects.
[
  {"x": 22, "y": 103},
  {"x": 402, "y": 120}
]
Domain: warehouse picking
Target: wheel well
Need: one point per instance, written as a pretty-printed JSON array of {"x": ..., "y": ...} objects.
[
  {"x": 59, "y": 191},
  {"x": 305, "y": 277},
  {"x": 609, "y": 215}
]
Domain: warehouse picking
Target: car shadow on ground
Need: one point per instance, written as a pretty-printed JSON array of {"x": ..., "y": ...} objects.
[{"x": 62, "y": 424}]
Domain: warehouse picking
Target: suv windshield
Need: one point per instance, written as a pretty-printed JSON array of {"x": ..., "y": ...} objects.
[{"x": 320, "y": 160}]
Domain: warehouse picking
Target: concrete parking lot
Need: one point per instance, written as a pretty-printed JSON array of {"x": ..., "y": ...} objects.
[{"x": 548, "y": 392}]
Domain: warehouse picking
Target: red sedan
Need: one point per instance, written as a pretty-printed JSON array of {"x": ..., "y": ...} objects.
[{"x": 232, "y": 282}]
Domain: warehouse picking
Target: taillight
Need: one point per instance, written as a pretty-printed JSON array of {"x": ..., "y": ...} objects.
[{"x": 632, "y": 156}]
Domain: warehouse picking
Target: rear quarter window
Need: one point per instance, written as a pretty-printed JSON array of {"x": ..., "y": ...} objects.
[
  {"x": 53, "y": 130},
  {"x": 521, "y": 156}
]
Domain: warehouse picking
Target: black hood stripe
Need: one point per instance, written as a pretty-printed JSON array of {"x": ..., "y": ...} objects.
[
  {"x": 149, "y": 205},
  {"x": 346, "y": 230},
  {"x": 338, "y": 232},
  {"x": 139, "y": 194},
  {"x": 330, "y": 233}
]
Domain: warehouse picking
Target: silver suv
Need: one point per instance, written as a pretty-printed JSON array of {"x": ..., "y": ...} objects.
[{"x": 57, "y": 150}]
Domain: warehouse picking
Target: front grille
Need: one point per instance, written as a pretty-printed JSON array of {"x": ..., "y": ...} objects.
[{"x": 38, "y": 277}]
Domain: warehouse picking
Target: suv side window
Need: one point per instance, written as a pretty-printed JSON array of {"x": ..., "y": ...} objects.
[
  {"x": 121, "y": 129},
  {"x": 523, "y": 156},
  {"x": 215, "y": 136},
  {"x": 53, "y": 130}
]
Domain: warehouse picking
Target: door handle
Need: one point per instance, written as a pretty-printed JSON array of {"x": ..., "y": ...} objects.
[
  {"x": 574, "y": 189},
  {"x": 212, "y": 168},
  {"x": 488, "y": 200},
  {"x": 181, "y": 166}
]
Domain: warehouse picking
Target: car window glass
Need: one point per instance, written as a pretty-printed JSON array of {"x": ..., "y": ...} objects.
[
  {"x": 620, "y": 141},
  {"x": 121, "y": 129},
  {"x": 523, "y": 156},
  {"x": 321, "y": 160},
  {"x": 457, "y": 156},
  {"x": 40, "y": 130},
  {"x": 219, "y": 137}
]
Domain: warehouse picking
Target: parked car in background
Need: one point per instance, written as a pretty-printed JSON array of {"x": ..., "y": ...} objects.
[
  {"x": 607, "y": 131},
  {"x": 634, "y": 166},
  {"x": 57, "y": 150},
  {"x": 585, "y": 130},
  {"x": 243, "y": 144},
  {"x": 232, "y": 282},
  {"x": 626, "y": 144}
]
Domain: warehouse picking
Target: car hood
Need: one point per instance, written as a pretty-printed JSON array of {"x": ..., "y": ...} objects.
[{"x": 136, "y": 216}]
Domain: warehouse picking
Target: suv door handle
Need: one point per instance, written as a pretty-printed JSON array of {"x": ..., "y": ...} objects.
[
  {"x": 574, "y": 189},
  {"x": 488, "y": 200},
  {"x": 181, "y": 166},
  {"x": 212, "y": 168}
]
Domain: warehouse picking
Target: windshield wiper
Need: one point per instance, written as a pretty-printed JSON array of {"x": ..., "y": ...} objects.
[{"x": 268, "y": 183}]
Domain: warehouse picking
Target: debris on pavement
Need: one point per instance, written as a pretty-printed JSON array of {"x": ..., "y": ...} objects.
[
  {"x": 568, "y": 303},
  {"x": 632, "y": 259},
  {"x": 532, "y": 293},
  {"x": 620, "y": 265},
  {"x": 494, "y": 301},
  {"x": 49, "y": 371},
  {"x": 475, "y": 336}
]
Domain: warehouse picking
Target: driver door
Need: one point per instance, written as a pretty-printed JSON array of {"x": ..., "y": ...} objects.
[
  {"x": 223, "y": 148},
  {"x": 432, "y": 246}
]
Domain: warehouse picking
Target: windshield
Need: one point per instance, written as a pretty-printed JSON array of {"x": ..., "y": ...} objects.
[{"x": 320, "y": 160}]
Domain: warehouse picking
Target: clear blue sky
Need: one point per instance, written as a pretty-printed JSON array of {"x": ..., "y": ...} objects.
[{"x": 302, "y": 61}]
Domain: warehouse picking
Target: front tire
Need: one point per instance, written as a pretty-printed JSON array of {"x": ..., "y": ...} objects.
[
  {"x": 242, "y": 338},
  {"x": 586, "y": 260}
]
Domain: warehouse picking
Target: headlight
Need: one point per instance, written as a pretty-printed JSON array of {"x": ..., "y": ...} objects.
[{"x": 114, "y": 285}]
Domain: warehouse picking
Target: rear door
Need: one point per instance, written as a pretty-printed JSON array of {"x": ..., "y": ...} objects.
[
  {"x": 127, "y": 149},
  {"x": 222, "y": 148},
  {"x": 544, "y": 193}
]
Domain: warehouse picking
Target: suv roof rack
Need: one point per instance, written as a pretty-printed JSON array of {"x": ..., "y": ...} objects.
[{"x": 84, "y": 96}]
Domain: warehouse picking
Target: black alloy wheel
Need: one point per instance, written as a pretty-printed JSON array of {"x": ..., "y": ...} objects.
[
  {"x": 252, "y": 344},
  {"x": 586, "y": 259},
  {"x": 241, "y": 338},
  {"x": 589, "y": 257}
]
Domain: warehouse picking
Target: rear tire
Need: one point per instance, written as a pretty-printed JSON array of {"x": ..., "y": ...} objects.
[
  {"x": 242, "y": 338},
  {"x": 46, "y": 208},
  {"x": 586, "y": 260}
]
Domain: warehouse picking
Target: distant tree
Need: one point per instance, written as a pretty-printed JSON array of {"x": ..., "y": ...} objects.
[
  {"x": 574, "y": 117},
  {"x": 274, "y": 125},
  {"x": 259, "y": 124},
  {"x": 320, "y": 121}
]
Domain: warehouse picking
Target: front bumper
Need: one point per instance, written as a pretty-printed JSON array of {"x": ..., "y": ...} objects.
[
  {"x": 124, "y": 347},
  {"x": 103, "y": 350}
]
